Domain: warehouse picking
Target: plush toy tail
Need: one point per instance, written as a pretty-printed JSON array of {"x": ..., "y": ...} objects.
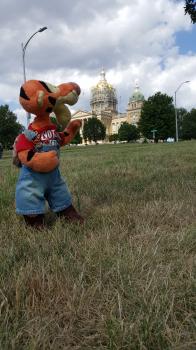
[{"x": 15, "y": 160}]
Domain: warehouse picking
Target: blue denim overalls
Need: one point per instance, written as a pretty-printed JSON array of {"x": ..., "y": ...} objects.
[{"x": 33, "y": 189}]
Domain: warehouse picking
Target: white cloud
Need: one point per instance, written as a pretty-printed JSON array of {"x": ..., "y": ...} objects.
[
  {"x": 21, "y": 116},
  {"x": 131, "y": 39}
]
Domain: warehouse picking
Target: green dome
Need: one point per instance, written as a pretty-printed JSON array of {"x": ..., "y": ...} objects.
[{"x": 137, "y": 95}]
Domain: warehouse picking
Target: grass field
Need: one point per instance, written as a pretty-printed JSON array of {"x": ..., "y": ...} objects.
[{"x": 125, "y": 280}]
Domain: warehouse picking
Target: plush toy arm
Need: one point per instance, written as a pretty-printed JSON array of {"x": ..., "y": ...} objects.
[
  {"x": 42, "y": 162},
  {"x": 70, "y": 131}
]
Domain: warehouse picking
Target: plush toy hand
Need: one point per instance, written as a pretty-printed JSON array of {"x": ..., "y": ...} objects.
[
  {"x": 71, "y": 130},
  {"x": 42, "y": 162}
]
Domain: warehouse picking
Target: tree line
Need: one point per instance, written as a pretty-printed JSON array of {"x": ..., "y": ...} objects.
[
  {"x": 157, "y": 121},
  {"x": 157, "y": 114},
  {"x": 9, "y": 127}
]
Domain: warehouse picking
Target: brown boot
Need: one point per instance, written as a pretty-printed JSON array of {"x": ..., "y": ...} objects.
[
  {"x": 35, "y": 221},
  {"x": 70, "y": 214}
]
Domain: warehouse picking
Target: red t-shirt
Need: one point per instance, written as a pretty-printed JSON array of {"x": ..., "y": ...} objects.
[{"x": 46, "y": 135}]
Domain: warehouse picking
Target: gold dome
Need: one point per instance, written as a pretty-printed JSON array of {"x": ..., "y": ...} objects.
[
  {"x": 103, "y": 95},
  {"x": 103, "y": 84}
]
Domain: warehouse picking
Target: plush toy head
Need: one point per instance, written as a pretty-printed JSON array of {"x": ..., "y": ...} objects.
[{"x": 41, "y": 98}]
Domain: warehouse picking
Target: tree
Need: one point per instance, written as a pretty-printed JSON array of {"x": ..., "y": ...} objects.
[
  {"x": 190, "y": 9},
  {"x": 113, "y": 138},
  {"x": 94, "y": 130},
  {"x": 181, "y": 113},
  {"x": 189, "y": 125},
  {"x": 54, "y": 121},
  {"x": 77, "y": 139},
  {"x": 128, "y": 132},
  {"x": 9, "y": 127},
  {"x": 158, "y": 114}
]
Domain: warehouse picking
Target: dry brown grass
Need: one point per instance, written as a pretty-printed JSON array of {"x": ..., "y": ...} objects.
[{"x": 125, "y": 280}]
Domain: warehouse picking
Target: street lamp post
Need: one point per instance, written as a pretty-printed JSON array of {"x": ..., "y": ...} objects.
[
  {"x": 153, "y": 134},
  {"x": 176, "y": 113},
  {"x": 24, "y": 46}
]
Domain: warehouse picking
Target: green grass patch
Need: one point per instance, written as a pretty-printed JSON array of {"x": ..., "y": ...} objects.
[{"x": 126, "y": 279}]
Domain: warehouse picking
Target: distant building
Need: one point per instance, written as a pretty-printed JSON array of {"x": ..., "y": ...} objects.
[{"x": 104, "y": 105}]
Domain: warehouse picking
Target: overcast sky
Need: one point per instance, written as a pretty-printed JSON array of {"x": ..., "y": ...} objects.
[{"x": 148, "y": 40}]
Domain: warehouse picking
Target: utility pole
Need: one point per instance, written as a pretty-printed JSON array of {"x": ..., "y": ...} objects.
[
  {"x": 24, "y": 46},
  {"x": 175, "y": 105}
]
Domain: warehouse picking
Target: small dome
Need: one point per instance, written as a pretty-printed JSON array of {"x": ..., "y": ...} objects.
[{"x": 137, "y": 95}]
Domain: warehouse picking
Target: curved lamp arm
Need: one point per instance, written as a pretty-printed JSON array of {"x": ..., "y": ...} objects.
[{"x": 38, "y": 31}]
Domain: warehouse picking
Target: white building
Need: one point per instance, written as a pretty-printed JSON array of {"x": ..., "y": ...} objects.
[{"x": 104, "y": 104}]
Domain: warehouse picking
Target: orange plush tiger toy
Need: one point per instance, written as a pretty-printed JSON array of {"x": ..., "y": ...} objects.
[{"x": 38, "y": 149}]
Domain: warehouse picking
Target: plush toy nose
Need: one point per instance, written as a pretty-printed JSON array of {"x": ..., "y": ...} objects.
[{"x": 77, "y": 88}]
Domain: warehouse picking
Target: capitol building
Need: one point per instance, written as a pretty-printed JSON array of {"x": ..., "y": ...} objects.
[{"x": 104, "y": 106}]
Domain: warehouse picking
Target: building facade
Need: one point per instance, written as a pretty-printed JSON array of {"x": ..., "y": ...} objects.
[{"x": 104, "y": 106}]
